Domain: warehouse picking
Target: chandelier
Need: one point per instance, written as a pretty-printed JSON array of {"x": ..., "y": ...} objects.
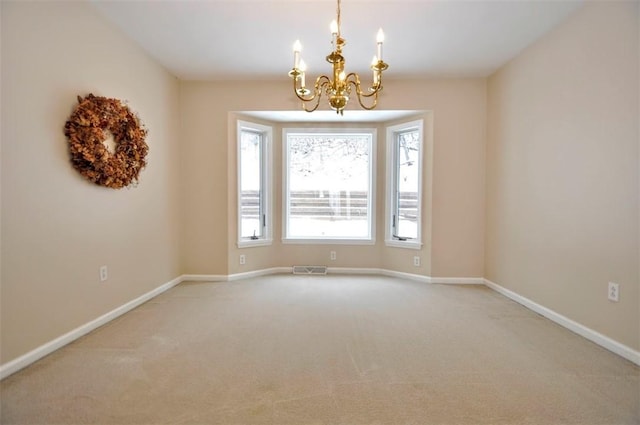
[{"x": 339, "y": 86}]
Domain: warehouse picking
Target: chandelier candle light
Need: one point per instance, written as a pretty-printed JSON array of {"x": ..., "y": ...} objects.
[{"x": 337, "y": 89}]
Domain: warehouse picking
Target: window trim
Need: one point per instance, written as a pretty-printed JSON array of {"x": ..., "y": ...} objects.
[
  {"x": 371, "y": 207},
  {"x": 391, "y": 183},
  {"x": 266, "y": 184}
]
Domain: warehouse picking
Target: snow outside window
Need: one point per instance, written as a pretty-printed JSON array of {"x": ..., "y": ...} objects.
[
  {"x": 254, "y": 214},
  {"x": 329, "y": 191}
]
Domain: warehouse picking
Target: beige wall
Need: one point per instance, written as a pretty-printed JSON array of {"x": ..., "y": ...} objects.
[
  {"x": 562, "y": 171},
  {"x": 456, "y": 248},
  {"x": 57, "y": 228}
]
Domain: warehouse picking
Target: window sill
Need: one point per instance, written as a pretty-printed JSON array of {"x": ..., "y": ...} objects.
[
  {"x": 329, "y": 241},
  {"x": 246, "y": 243},
  {"x": 403, "y": 244}
]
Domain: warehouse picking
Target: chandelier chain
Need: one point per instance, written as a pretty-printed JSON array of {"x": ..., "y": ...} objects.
[{"x": 338, "y": 17}]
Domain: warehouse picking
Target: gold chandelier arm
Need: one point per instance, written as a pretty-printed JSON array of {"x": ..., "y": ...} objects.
[
  {"x": 316, "y": 95},
  {"x": 354, "y": 80},
  {"x": 356, "y": 83},
  {"x": 315, "y": 106},
  {"x": 298, "y": 90},
  {"x": 375, "y": 100},
  {"x": 320, "y": 83},
  {"x": 302, "y": 91}
]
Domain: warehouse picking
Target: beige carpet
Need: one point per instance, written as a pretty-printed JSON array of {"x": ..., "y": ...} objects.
[{"x": 327, "y": 350}]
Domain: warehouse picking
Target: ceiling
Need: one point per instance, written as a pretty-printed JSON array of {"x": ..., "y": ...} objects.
[{"x": 252, "y": 39}]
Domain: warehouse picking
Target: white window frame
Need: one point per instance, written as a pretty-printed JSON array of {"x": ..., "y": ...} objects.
[
  {"x": 392, "y": 175},
  {"x": 371, "y": 209},
  {"x": 266, "y": 184}
]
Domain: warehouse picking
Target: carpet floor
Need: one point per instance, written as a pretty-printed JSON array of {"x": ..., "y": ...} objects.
[{"x": 326, "y": 350}]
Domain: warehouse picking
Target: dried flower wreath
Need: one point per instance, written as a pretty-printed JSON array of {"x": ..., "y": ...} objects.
[{"x": 85, "y": 130}]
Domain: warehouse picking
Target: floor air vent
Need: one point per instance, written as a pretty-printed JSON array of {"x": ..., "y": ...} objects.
[{"x": 309, "y": 269}]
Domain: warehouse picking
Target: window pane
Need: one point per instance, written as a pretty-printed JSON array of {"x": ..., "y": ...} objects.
[
  {"x": 407, "y": 184},
  {"x": 250, "y": 184},
  {"x": 329, "y": 186}
]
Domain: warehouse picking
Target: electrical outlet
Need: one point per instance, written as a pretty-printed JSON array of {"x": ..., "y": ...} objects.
[
  {"x": 332, "y": 255},
  {"x": 243, "y": 259},
  {"x": 103, "y": 273},
  {"x": 614, "y": 292},
  {"x": 416, "y": 261}
]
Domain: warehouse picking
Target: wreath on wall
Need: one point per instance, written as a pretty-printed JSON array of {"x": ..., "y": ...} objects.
[{"x": 88, "y": 129}]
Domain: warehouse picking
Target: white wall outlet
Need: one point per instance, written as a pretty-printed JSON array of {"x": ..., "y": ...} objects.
[
  {"x": 416, "y": 261},
  {"x": 103, "y": 273},
  {"x": 332, "y": 255},
  {"x": 243, "y": 259},
  {"x": 614, "y": 292}
]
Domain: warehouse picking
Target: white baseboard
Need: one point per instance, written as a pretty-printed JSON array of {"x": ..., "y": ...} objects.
[
  {"x": 352, "y": 270},
  {"x": 375, "y": 271},
  {"x": 258, "y": 273},
  {"x": 403, "y": 275},
  {"x": 235, "y": 276},
  {"x": 594, "y": 336},
  {"x": 410, "y": 276},
  {"x": 336, "y": 270},
  {"x": 51, "y": 346},
  {"x": 36, "y": 354},
  {"x": 458, "y": 280},
  {"x": 203, "y": 278}
]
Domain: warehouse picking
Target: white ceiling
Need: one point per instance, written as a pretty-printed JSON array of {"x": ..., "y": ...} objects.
[{"x": 252, "y": 39}]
